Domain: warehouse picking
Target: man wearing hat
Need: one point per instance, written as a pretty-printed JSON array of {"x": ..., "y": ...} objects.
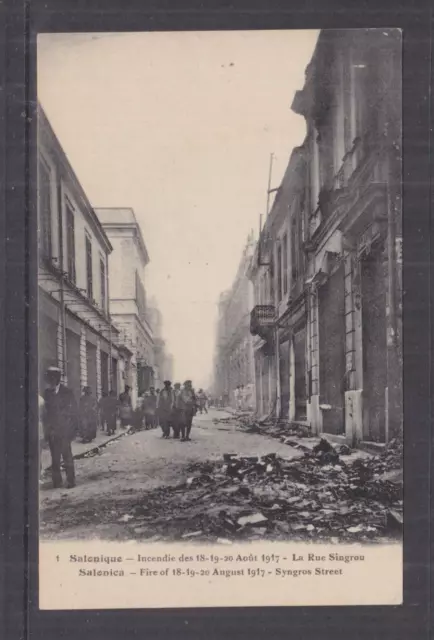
[
  {"x": 165, "y": 407},
  {"x": 60, "y": 425},
  {"x": 188, "y": 405},
  {"x": 176, "y": 410}
]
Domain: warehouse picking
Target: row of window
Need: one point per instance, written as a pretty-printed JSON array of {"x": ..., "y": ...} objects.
[
  {"x": 275, "y": 282},
  {"x": 46, "y": 239}
]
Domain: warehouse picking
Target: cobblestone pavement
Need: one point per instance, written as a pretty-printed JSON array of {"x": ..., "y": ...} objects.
[{"x": 138, "y": 463}]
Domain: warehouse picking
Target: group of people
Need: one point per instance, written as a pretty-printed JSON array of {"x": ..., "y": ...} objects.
[
  {"x": 172, "y": 408},
  {"x": 62, "y": 420}
]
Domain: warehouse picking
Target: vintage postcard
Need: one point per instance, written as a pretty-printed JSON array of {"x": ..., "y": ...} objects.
[{"x": 220, "y": 319}]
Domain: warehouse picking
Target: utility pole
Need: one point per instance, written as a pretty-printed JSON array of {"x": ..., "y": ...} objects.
[
  {"x": 62, "y": 280},
  {"x": 270, "y": 170}
]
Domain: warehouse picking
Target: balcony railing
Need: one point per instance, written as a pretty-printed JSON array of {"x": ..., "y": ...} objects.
[{"x": 262, "y": 320}]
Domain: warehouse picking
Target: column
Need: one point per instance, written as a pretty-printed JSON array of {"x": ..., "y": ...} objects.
[
  {"x": 83, "y": 358},
  {"x": 98, "y": 368},
  {"x": 315, "y": 415},
  {"x": 353, "y": 351},
  {"x": 61, "y": 353}
]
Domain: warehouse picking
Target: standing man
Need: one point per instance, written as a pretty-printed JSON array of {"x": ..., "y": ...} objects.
[
  {"x": 176, "y": 411},
  {"x": 102, "y": 410},
  {"x": 125, "y": 407},
  {"x": 88, "y": 415},
  {"x": 111, "y": 412},
  {"x": 165, "y": 408},
  {"x": 60, "y": 425},
  {"x": 202, "y": 401},
  {"x": 188, "y": 404},
  {"x": 150, "y": 407}
]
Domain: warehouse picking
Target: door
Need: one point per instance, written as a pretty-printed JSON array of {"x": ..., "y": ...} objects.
[
  {"x": 114, "y": 380},
  {"x": 73, "y": 362},
  {"x": 104, "y": 372},
  {"x": 374, "y": 347},
  {"x": 91, "y": 367},
  {"x": 300, "y": 373},
  {"x": 284, "y": 378},
  {"x": 332, "y": 352}
]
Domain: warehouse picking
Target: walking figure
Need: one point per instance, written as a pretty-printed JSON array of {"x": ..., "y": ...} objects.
[
  {"x": 126, "y": 408},
  {"x": 165, "y": 407},
  {"x": 202, "y": 399},
  {"x": 60, "y": 418},
  {"x": 188, "y": 404},
  {"x": 176, "y": 411},
  {"x": 102, "y": 411},
  {"x": 111, "y": 412},
  {"x": 150, "y": 408},
  {"x": 88, "y": 415}
]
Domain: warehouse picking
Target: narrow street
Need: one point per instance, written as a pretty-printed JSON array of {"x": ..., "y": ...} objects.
[
  {"x": 136, "y": 464},
  {"x": 234, "y": 480}
]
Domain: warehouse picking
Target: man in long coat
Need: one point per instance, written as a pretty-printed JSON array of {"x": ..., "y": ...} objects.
[
  {"x": 176, "y": 410},
  {"x": 60, "y": 425},
  {"x": 88, "y": 415},
  {"x": 188, "y": 405},
  {"x": 126, "y": 408},
  {"x": 150, "y": 409},
  {"x": 165, "y": 408}
]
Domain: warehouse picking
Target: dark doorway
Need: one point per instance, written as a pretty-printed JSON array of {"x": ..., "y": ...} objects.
[
  {"x": 332, "y": 352},
  {"x": 73, "y": 362},
  {"x": 300, "y": 373},
  {"x": 114, "y": 380},
  {"x": 374, "y": 347},
  {"x": 284, "y": 379},
  {"x": 91, "y": 367},
  {"x": 104, "y": 372}
]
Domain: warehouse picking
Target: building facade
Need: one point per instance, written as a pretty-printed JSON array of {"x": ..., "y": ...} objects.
[
  {"x": 127, "y": 263},
  {"x": 279, "y": 317},
  {"x": 338, "y": 211},
  {"x": 76, "y": 332},
  {"x": 234, "y": 361},
  {"x": 163, "y": 361}
]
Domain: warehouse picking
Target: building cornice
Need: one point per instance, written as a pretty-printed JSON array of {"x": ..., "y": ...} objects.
[{"x": 69, "y": 176}]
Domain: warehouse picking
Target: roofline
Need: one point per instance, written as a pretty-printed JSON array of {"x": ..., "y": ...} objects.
[
  {"x": 127, "y": 225},
  {"x": 44, "y": 123}
]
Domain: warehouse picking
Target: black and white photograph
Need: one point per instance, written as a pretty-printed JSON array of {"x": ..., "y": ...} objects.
[{"x": 220, "y": 318}]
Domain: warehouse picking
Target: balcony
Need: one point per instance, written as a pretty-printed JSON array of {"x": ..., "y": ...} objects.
[{"x": 262, "y": 321}]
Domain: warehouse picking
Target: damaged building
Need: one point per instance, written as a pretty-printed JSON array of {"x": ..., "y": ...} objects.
[
  {"x": 327, "y": 267},
  {"x": 233, "y": 360}
]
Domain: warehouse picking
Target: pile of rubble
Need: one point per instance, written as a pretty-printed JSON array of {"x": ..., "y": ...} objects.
[{"x": 316, "y": 496}]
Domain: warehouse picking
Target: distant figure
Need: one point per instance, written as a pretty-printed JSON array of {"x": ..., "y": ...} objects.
[
  {"x": 111, "y": 412},
  {"x": 176, "y": 411},
  {"x": 139, "y": 412},
  {"x": 201, "y": 397},
  {"x": 237, "y": 396},
  {"x": 60, "y": 418},
  {"x": 242, "y": 398},
  {"x": 164, "y": 408},
  {"x": 188, "y": 404},
  {"x": 101, "y": 410},
  {"x": 88, "y": 415},
  {"x": 150, "y": 409},
  {"x": 126, "y": 408}
]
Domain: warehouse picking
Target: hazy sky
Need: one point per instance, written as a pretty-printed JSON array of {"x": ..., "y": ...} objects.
[{"x": 180, "y": 127}]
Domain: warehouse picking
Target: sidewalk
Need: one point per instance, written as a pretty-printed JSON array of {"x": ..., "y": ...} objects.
[{"x": 79, "y": 447}]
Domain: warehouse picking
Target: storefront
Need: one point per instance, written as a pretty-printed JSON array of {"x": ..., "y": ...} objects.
[
  {"x": 374, "y": 344},
  {"x": 331, "y": 300}
]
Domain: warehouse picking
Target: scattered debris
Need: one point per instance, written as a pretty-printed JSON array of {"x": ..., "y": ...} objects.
[
  {"x": 256, "y": 518},
  {"x": 313, "y": 496},
  {"x": 126, "y": 518}
]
